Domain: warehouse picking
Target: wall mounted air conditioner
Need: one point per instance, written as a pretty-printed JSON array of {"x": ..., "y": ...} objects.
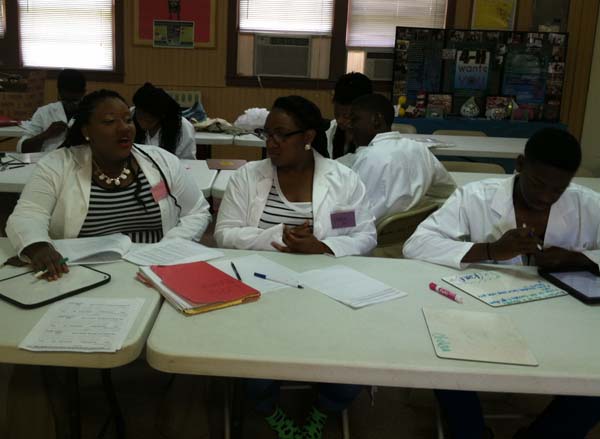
[
  {"x": 379, "y": 65},
  {"x": 281, "y": 56}
]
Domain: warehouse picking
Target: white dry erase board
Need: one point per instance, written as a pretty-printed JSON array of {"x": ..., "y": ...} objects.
[
  {"x": 477, "y": 336},
  {"x": 499, "y": 289},
  {"x": 20, "y": 287}
]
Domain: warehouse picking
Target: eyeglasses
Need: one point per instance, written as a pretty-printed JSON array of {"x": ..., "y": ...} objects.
[{"x": 277, "y": 137}]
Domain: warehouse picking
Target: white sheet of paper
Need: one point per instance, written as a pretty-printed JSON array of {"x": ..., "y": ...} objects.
[
  {"x": 248, "y": 265},
  {"x": 96, "y": 250},
  {"x": 84, "y": 324},
  {"x": 477, "y": 336},
  {"x": 499, "y": 289},
  {"x": 170, "y": 252},
  {"x": 349, "y": 286}
]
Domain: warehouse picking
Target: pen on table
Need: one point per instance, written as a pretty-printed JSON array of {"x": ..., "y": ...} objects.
[
  {"x": 237, "y": 273},
  {"x": 42, "y": 272},
  {"x": 539, "y": 246},
  {"x": 279, "y": 281},
  {"x": 444, "y": 292}
]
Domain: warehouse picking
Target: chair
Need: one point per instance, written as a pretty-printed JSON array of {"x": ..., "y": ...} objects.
[
  {"x": 393, "y": 230},
  {"x": 404, "y": 128},
  {"x": 488, "y": 168},
  {"x": 460, "y": 133}
]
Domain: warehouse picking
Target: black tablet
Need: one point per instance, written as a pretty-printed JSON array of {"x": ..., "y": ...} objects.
[{"x": 583, "y": 284}]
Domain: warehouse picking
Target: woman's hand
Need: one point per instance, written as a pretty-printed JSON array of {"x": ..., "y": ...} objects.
[
  {"x": 44, "y": 257},
  {"x": 300, "y": 239}
]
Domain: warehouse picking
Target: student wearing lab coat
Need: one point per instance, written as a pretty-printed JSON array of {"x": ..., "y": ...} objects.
[
  {"x": 327, "y": 211},
  {"x": 102, "y": 183},
  {"x": 158, "y": 121},
  {"x": 536, "y": 215},
  {"x": 296, "y": 201},
  {"x": 47, "y": 128},
  {"x": 347, "y": 88},
  {"x": 398, "y": 172}
]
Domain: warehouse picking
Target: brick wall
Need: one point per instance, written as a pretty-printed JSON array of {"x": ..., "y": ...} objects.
[{"x": 21, "y": 105}]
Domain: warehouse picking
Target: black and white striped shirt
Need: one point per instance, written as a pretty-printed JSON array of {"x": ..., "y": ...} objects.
[
  {"x": 279, "y": 210},
  {"x": 119, "y": 210}
]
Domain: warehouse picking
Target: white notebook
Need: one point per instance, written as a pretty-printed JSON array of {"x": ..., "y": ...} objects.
[
  {"x": 477, "y": 336},
  {"x": 111, "y": 248}
]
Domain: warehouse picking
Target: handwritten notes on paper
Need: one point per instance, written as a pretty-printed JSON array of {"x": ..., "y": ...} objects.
[
  {"x": 477, "y": 336},
  {"x": 84, "y": 324},
  {"x": 499, "y": 289}
]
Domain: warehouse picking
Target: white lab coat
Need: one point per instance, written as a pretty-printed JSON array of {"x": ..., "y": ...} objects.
[
  {"x": 186, "y": 148},
  {"x": 335, "y": 189},
  {"x": 398, "y": 172},
  {"x": 330, "y": 133},
  {"x": 40, "y": 121},
  {"x": 55, "y": 202},
  {"x": 483, "y": 211}
]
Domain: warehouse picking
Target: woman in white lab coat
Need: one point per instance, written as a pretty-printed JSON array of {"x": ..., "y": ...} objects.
[
  {"x": 325, "y": 209},
  {"x": 296, "y": 201},
  {"x": 534, "y": 217},
  {"x": 102, "y": 183},
  {"x": 158, "y": 121}
]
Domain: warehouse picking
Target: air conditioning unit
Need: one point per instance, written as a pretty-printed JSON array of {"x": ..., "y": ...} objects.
[
  {"x": 281, "y": 56},
  {"x": 379, "y": 65}
]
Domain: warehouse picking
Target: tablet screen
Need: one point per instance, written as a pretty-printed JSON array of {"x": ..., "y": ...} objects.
[{"x": 585, "y": 282}]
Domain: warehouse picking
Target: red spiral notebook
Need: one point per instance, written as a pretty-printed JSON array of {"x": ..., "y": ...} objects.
[{"x": 199, "y": 287}]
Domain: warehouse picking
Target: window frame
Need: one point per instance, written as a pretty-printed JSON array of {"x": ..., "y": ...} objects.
[
  {"x": 12, "y": 43},
  {"x": 337, "y": 64}
]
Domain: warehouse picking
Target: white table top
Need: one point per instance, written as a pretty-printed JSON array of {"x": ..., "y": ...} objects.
[
  {"x": 16, "y": 322},
  {"x": 14, "y": 180},
  {"x": 292, "y": 334},
  {"x": 14, "y": 131},
  {"x": 462, "y": 178},
  {"x": 464, "y": 146},
  {"x": 206, "y": 138}
]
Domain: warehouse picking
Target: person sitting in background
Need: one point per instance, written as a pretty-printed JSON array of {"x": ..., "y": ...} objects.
[
  {"x": 347, "y": 88},
  {"x": 159, "y": 122},
  {"x": 398, "y": 172},
  {"x": 47, "y": 128},
  {"x": 101, "y": 183},
  {"x": 536, "y": 216},
  {"x": 296, "y": 200}
]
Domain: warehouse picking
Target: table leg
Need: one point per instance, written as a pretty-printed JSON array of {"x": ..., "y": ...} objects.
[{"x": 113, "y": 403}]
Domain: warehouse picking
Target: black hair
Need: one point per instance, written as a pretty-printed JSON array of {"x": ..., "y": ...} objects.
[
  {"x": 86, "y": 107},
  {"x": 375, "y": 103},
  {"x": 554, "y": 147},
  {"x": 71, "y": 80},
  {"x": 350, "y": 86},
  {"x": 159, "y": 104},
  {"x": 308, "y": 117}
]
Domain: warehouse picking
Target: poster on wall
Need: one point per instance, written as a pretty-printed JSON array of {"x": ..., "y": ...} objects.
[
  {"x": 174, "y": 34},
  {"x": 201, "y": 13},
  {"x": 472, "y": 68},
  {"x": 493, "y": 14}
]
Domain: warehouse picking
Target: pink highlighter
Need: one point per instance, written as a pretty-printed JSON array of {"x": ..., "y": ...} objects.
[{"x": 444, "y": 292}]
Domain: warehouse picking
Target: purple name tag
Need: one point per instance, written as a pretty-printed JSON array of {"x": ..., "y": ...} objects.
[{"x": 340, "y": 220}]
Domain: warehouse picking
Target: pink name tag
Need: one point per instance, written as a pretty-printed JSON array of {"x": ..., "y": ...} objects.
[
  {"x": 340, "y": 220},
  {"x": 159, "y": 191}
]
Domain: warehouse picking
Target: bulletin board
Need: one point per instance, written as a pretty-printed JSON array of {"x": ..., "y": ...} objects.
[
  {"x": 201, "y": 12},
  {"x": 454, "y": 65}
]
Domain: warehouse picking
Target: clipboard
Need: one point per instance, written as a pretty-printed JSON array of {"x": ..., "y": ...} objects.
[{"x": 19, "y": 287}]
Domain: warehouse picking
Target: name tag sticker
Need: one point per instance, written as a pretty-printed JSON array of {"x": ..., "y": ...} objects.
[
  {"x": 340, "y": 220},
  {"x": 159, "y": 191}
]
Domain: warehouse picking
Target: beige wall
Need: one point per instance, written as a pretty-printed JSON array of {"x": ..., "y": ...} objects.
[{"x": 590, "y": 139}]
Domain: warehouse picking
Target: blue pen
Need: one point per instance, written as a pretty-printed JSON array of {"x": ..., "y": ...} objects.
[
  {"x": 279, "y": 281},
  {"x": 539, "y": 246}
]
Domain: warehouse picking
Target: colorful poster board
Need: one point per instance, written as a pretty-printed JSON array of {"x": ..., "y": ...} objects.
[
  {"x": 201, "y": 12},
  {"x": 526, "y": 66}
]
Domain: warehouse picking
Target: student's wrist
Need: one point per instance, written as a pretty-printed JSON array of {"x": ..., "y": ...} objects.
[{"x": 489, "y": 251}]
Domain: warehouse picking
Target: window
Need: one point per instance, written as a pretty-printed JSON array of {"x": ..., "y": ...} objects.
[
  {"x": 341, "y": 35},
  {"x": 314, "y": 17},
  {"x": 74, "y": 33},
  {"x": 2, "y": 18},
  {"x": 372, "y": 23}
]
